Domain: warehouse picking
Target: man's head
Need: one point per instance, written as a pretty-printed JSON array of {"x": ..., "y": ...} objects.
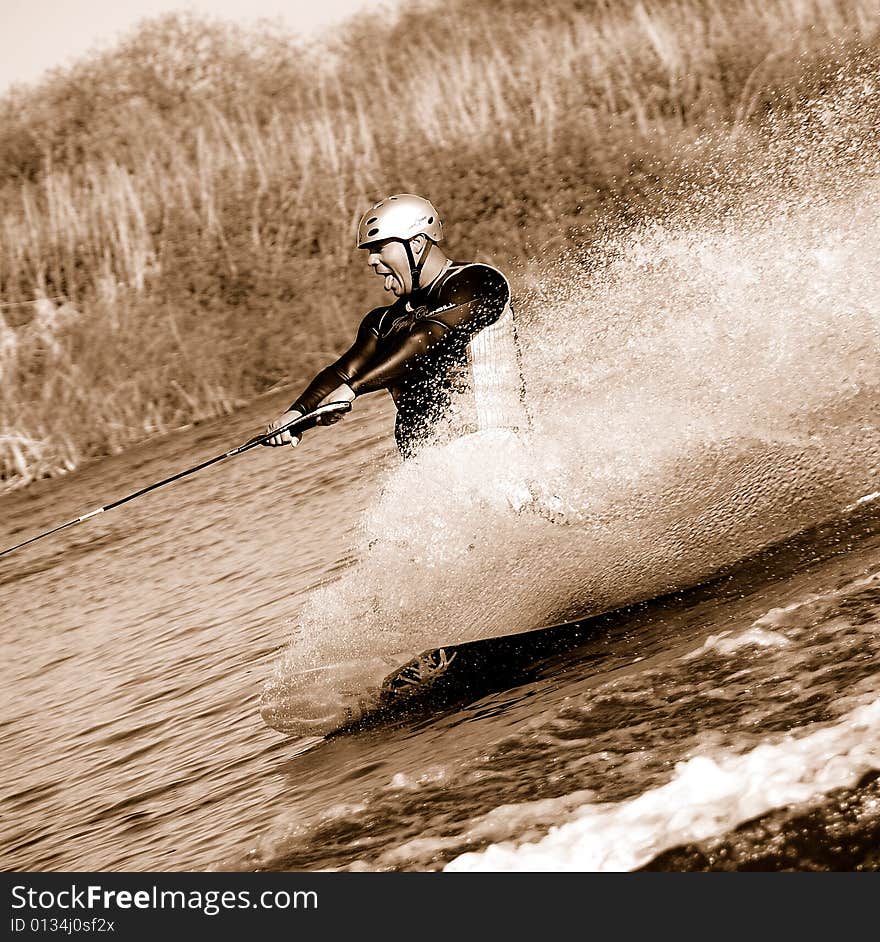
[{"x": 399, "y": 232}]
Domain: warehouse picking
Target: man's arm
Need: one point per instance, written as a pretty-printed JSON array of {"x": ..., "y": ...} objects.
[
  {"x": 386, "y": 371},
  {"x": 330, "y": 378},
  {"x": 477, "y": 295},
  {"x": 476, "y": 299},
  {"x": 353, "y": 361}
]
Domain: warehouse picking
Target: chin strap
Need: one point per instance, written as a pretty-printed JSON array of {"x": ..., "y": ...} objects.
[{"x": 415, "y": 268}]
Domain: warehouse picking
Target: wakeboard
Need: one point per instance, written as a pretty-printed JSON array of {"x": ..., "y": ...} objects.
[{"x": 441, "y": 677}]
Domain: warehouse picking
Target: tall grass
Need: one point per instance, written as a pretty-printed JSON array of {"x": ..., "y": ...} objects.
[{"x": 176, "y": 217}]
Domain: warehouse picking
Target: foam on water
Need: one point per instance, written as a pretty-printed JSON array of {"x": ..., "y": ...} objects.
[
  {"x": 706, "y": 796},
  {"x": 699, "y": 389},
  {"x": 716, "y": 787},
  {"x": 727, "y": 641}
]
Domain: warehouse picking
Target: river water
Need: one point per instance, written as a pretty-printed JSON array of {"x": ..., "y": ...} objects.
[{"x": 136, "y": 646}]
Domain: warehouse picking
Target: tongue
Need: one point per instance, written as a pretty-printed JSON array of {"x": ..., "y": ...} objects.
[{"x": 389, "y": 282}]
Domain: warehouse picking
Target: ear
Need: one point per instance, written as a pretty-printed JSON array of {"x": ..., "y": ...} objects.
[{"x": 419, "y": 244}]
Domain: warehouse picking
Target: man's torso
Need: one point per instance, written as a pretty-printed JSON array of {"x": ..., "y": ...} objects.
[{"x": 470, "y": 378}]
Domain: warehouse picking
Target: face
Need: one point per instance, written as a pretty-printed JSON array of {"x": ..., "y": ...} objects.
[{"x": 388, "y": 259}]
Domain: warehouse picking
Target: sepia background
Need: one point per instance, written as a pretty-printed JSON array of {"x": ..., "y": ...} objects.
[{"x": 685, "y": 197}]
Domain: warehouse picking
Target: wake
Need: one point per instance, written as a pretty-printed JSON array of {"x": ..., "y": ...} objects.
[{"x": 700, "y": 390}]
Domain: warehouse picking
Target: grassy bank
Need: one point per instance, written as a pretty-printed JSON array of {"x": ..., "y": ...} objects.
[{"x": 177, "y": 213}]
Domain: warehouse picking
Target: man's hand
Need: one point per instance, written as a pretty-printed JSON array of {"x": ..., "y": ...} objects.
[
  {"x": 343, "y": 393},
  {"x": 284, "y": 438}
]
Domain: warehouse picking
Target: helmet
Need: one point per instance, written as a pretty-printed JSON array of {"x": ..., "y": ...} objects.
[{"x": 399, "y": 217}]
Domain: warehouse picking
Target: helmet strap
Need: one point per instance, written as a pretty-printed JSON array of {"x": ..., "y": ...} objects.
[{"x": 415, "y": 268}]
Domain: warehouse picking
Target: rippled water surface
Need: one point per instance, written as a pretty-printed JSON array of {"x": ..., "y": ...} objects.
[
  {"x": 135, "y": 644},
  {"x": 135, "y": 647}
]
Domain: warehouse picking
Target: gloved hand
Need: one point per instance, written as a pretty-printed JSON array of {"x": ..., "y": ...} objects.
[
  {"x": 343, "y": 393},
  {"x": 284, "y": 438}
]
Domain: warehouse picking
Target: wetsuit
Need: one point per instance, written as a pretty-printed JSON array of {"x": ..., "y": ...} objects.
[{"x": 447, "y": 353}]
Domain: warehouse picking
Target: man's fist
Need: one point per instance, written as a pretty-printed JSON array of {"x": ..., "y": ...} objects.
[
  {"x": 284, "y": 438},
  {"x": 343, "y": 393}
]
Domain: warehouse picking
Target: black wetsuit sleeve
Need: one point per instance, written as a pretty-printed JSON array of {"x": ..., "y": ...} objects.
[
  {"x": 349, "y": 365},
  {"x": 472, "y": 301},
  {"x": 389, "y": 369},
  {"x": 476, "y": 296}
]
